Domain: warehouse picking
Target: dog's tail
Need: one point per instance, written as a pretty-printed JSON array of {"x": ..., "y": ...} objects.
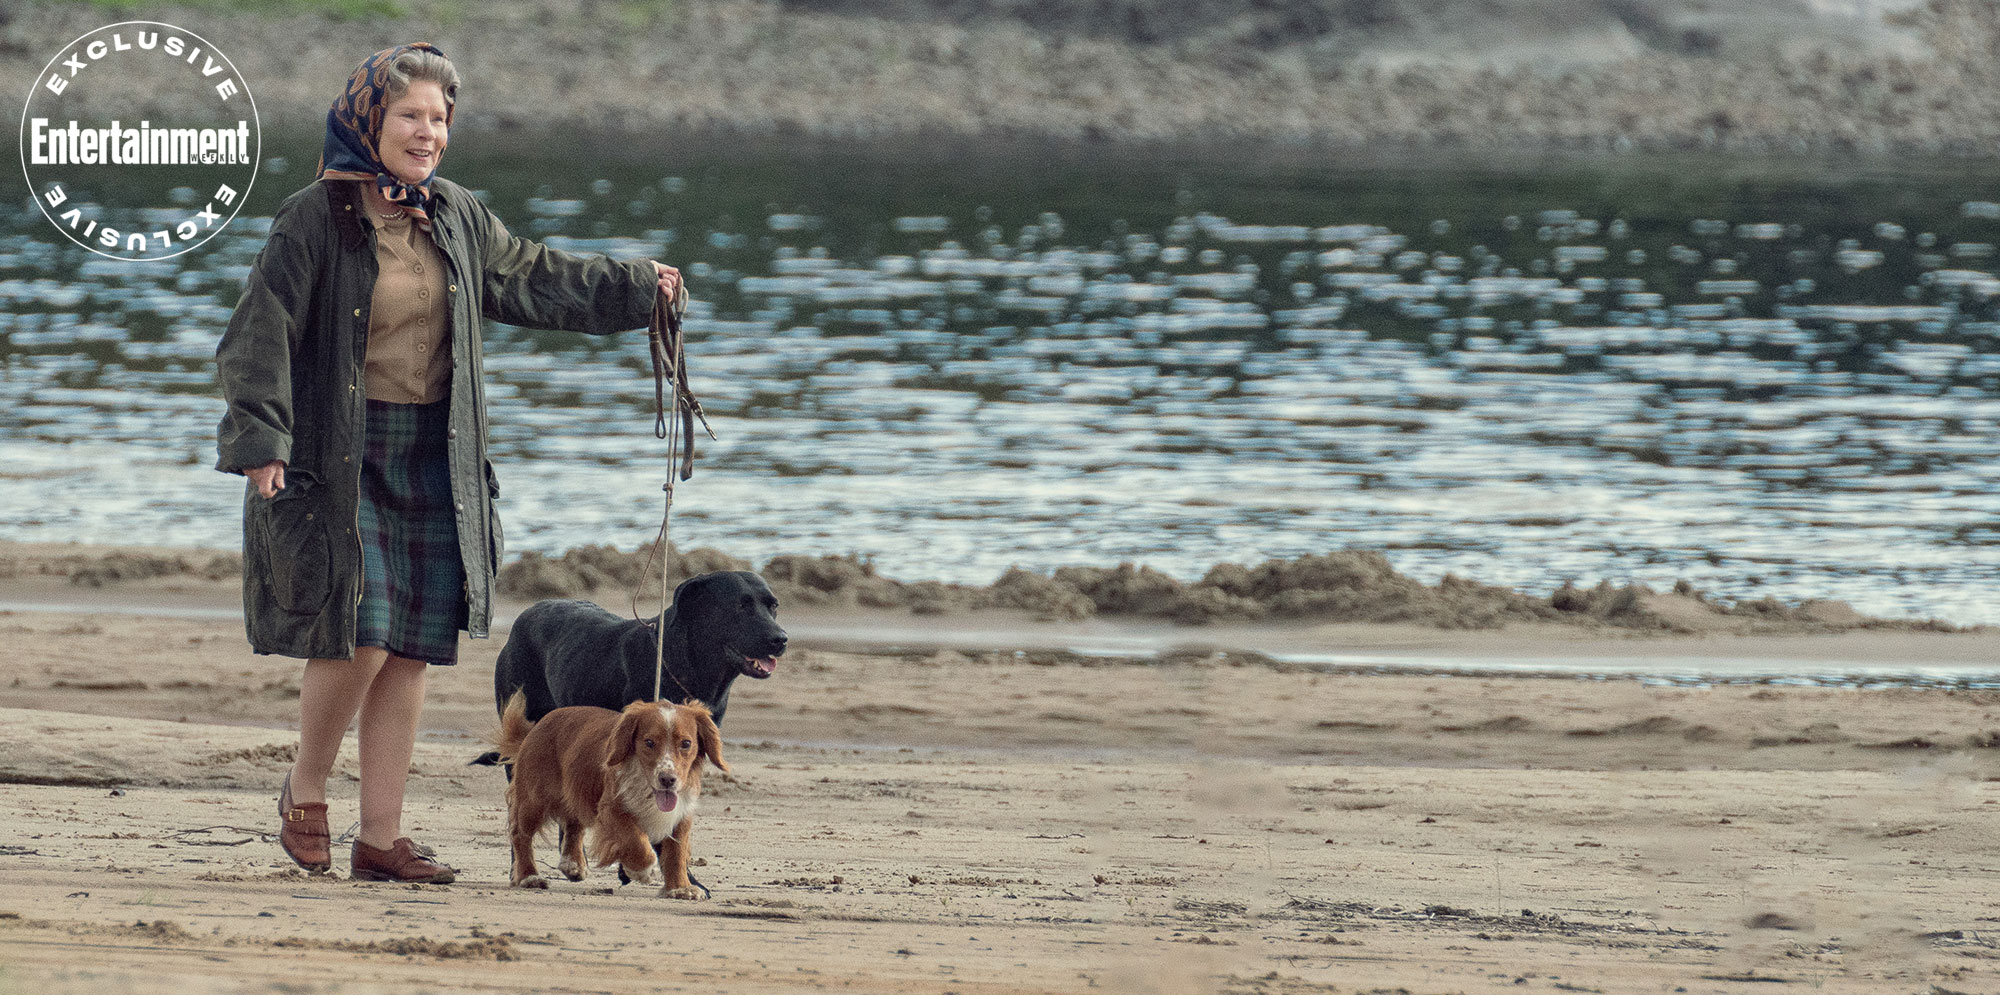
[{"x": 507, "y": 739}]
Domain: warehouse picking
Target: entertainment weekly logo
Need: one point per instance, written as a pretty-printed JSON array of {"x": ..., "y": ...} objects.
[{"x": 154, "y": 182}]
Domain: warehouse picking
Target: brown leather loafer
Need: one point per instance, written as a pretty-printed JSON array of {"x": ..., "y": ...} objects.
[
  {"x": 303, "y": 832},
  {"x": 401, "y": 862}
]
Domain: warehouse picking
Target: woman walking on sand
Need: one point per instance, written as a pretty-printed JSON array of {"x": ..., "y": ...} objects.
[{"x": 352, "y": 373}]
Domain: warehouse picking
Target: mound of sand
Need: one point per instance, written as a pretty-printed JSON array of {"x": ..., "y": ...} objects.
[
  {"x": 1346, "y": 586},
  {"x": 588, "y": 569},
  {"x": 1349, "y": 586},
  {"x": 97, "y": 569}
]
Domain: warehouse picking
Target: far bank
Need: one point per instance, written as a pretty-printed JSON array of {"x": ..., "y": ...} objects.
[{"x": 1909, "y": 78}]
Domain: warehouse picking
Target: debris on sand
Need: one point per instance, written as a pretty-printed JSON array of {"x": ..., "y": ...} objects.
[{"x": 480, "y": 947}]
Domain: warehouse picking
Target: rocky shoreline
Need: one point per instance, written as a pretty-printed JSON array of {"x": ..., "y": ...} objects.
[{"x": 1913, "y": 78}]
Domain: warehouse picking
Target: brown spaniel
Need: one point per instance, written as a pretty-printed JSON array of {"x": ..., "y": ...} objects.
[{"x": 632, "y": 777}]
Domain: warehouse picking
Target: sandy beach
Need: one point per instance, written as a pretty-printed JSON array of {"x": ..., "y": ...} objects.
[
  {"x": 1308, "y": 778},
  {"x": 987, "y": 818}
]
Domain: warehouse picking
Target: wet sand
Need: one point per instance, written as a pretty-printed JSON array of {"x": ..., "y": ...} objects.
[{"x": 977, "y": 819}]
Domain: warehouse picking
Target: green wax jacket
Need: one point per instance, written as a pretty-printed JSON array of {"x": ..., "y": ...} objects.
[{"x": 291, "y": 367}]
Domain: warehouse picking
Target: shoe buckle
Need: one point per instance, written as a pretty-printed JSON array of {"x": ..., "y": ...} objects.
[{"x": 295, "y": 815}]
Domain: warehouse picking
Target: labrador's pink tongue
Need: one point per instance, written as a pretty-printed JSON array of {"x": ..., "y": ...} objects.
[{"x": 666, "y": 800}]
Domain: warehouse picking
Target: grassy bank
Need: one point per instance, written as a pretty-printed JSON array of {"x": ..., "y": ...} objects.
[{"x": 1592, "y": 73}]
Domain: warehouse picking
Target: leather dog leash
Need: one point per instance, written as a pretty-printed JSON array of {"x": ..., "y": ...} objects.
[
  {"x": 670, "y": 366},
  {"x": 669, "y": 353}
]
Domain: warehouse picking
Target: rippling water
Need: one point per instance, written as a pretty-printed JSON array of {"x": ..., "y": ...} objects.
[{"x": 1764, "y": 378}]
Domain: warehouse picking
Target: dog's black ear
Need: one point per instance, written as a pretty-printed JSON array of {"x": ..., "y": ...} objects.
[{"x": 681, "y": 588}]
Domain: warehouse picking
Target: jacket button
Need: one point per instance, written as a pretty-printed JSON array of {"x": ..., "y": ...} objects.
[
  {"x": 454, "y": 288},
  {"x": 345, "y": 459},
  {"x": 357, "y": 312},
  {"x": 458, "y": 505},
  {"x": 451, "y": 433}
]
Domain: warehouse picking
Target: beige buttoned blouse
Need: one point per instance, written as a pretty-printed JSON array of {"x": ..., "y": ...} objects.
[{"x": 409, "y": 320}]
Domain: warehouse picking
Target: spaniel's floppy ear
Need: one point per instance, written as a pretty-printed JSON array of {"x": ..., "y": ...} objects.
[
  {"x": 708, "y": 737},
  {"x": 625, "y": 736}
]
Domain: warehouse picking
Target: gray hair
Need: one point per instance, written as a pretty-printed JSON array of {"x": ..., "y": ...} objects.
[{"x": 420, "y": 66}]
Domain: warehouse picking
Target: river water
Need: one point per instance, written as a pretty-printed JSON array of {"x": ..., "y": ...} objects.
[{"x": 1766, "y": 378}]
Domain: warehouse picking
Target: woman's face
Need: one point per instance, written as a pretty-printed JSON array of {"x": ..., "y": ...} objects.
[{"x": 413, "y": 132}]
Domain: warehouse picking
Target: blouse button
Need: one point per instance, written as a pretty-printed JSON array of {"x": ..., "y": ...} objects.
[
  {"x": 419, "y": 267},
  {"x": 454, "y": 288},
  {"x": 423, "y": 320},
  {"x": 422, "y": 293},
  {"x": 420, "y": 347}
]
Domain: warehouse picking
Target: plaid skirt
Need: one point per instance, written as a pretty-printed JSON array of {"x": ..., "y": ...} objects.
[{"x": 412, "y": 580}]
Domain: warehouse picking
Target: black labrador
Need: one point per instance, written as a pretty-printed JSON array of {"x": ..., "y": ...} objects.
[{"x": 721, "y": 626}]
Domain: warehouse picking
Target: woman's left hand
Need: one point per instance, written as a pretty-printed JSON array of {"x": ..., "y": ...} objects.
[{"x": 670, "y": 278}]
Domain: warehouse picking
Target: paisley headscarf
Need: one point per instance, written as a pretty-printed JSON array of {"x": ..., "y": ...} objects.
[{"x": 354, "y": 134}]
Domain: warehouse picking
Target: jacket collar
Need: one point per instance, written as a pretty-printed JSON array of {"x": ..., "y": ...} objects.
[{"x": 345, "y": 203}]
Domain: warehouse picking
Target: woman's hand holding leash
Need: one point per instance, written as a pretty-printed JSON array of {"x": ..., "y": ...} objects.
[{"x": 670, "y": 279}]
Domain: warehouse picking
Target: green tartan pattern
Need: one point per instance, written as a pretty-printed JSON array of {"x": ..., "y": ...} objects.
[{"x": 412, "y": 580}]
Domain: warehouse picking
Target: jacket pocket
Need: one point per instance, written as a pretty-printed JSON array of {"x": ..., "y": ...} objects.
[
  {"x": 296, "y": 545},
  {"x": 493, "y": 532}
]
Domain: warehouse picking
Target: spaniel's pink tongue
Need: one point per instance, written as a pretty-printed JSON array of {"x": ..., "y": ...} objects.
[{"x": 665, "y": 799}]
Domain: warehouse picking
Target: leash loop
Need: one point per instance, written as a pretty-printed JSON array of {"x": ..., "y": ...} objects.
[{"x": 669, "y": 350}]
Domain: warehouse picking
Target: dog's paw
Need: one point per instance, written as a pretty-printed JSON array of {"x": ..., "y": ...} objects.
[
  {"x": 689, "y": 893},
  {"x": 532, "y": 881},
  {"x": 571, "y": 869},
  {"x": 642, "y": 877}
]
